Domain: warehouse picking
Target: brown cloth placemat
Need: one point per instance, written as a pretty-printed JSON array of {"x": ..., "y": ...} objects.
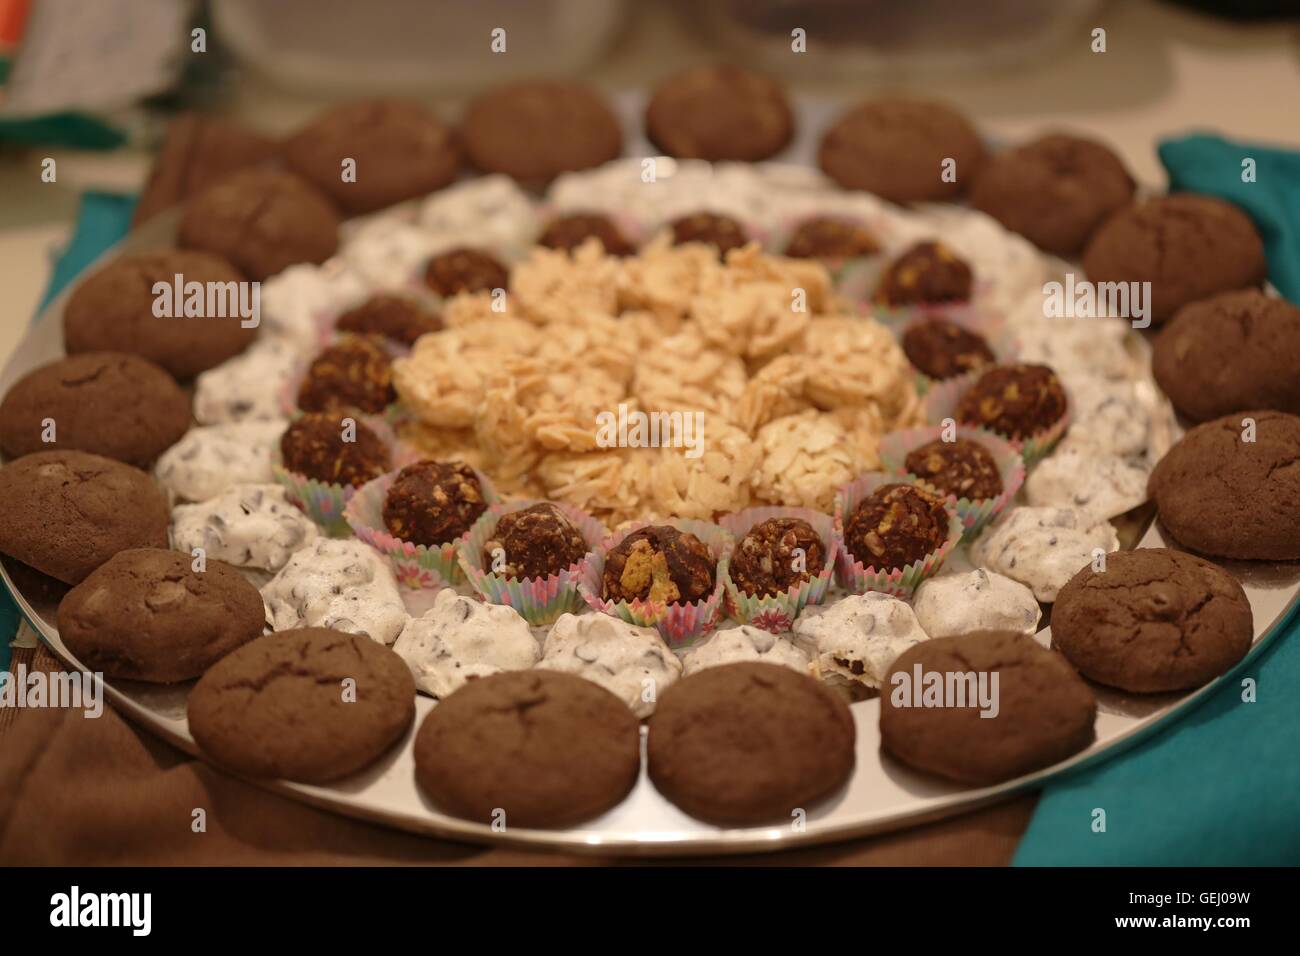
[{"x": 81, "y": 792}]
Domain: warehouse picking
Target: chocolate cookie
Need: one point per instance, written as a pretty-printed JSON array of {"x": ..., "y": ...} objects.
[
  {"x": 535, "y": 542},
  {"x": 897, "y": 148},
  {"x": 660, "y": 564},
  {"x": 112, "y": 310},
  {"x": 465, "y": 270},
  {"x": 542, "y": 748},
  {"x": 831, "y": 239},
  {"x": 895, "y": 526},
  {"x": 433, "y": 502},
  {"x": 355, "y": 372},
  {"x": 1042, "y": 711},
  {"x": 1187, "y": 246},
  {"x": 942, "y": 349},
  {"x": 1230, "y": 498},
  {"x": 776, "y": 555},
  {"x": 928, "y": 272},
  {"x": 570, "y": 231},
  {"x": 1230, "y": 352},
  {"x": 1155, "y": 620},
  {"x": 749, "y": 743},
  {"x": 1055, "y": 191},
  {"x": 722, "y": 232},
  {"x": 146, "y": 614},
  {"x": 311, "y": 705},
  {"x": 719, "y": 113},
  {"x": 1014, "y": 400},
  {"x": 534, "y": 131},
  {"x": 67, "y": 512},
  {"x": 314, "y": 445},
  {"x": 397, "y": 318},
  {"x": 263, "y": 221},
  {"x": 959, "y": 467},
  {"x": 401, "y": 151},
  {"x": 107, "y": 403}
]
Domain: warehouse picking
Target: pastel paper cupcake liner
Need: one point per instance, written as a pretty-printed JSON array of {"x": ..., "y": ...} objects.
[
  {"x": 679, "y": 624},
  {"x": 414, "y": 565},
  {"x": 975, "y": 513},
  {"x": 777, "y": 612},
  {"x": 538, "y": 600},
  {"x": 858, "y": 578},
  {"x": 324, "y": 502},
  {"x": 940, "y": 403}
]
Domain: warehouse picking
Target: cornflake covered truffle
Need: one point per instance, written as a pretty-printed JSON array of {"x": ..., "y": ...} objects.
[
  {"x": 395, "y": 317},
  {"x": 927, "y": 272},
  {"x": 775, "y": 555},
  {"x": 1014, "y": 400},
  {"x": 465, "y": 270},
  {"x": 570, "y": 231},
  {"x": 895, "y": 526},
  {"x": 960, "y": 467},
  {"x": 943, "y": 349},
  {"x": 722, "y": 232},
  {"x": 355, "y": 372},
  {"x": 660, "y": 564},
  {"x": 433, "y": 502},
  {"x": 832, "y": 238},
  {"x": 534, "y": 542},
  {"x": 315, "y": 446}
]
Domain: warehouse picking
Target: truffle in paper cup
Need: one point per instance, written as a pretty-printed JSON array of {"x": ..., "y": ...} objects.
[
  {"x": 631, "y": 228},
  {"x": 538, "y": 600},
  {"x": 1002, "y": 343},
  {"x": 679, "y": 624},
  {"x": 858, "y": 578},
  {"x": 777, "y": 612},
  {"x": 414, "y": 565},
  {"x": 940, "y": 404},
  {"x": 975, "y": 513}
]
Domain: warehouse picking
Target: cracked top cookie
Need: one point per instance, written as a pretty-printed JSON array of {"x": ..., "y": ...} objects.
[
  {"x": 1154, "y": 620},
  {"x": 719, "y": 112}
]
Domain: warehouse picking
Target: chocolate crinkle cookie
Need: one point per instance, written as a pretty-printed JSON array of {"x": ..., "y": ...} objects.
[
  {"x": 895, "y": 526},
  {"x": 1014, "y": 400},
  {"x": 719, "y": 112},
  {"x": 570, "y": 231},
  {"x": 832, "y": 239},
  {"x": 330, "y": 447},
  {"x": 397, "y": 318},
  {"x": 465, "y": 270},
  {"x": 928, "y": 272},
  {"x": 659, "y": 564},
  {"x": 960, "y": 467},
  {"x": 943, "y": 349},
  {"x": 355, "y": 372},
  {"x": 722, "y": 232},
  {"x": 534, "y": 542},
  {"x": 776, "y": 555},
  {"x": 433, "y": 502}
]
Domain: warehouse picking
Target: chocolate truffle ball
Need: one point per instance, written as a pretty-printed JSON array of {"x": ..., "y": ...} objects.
[
  {"x": 331, "y": 447},
  {"x": 660, "y": 564},
  {"x": 927, "y": 272},
  {"x": 831, "y": 238},
  {"x": 535, "y": 542},
  {"x": 571, "y": 231},
  {"x": 1014, "y": 400},
  {"x": 395, "y": 317},
  {"x": 723, "y": 232},
  {"x": 775, "y": 555},
  {"x": 465, "y": 270},
  {"x": 960, "y": 467},
  {"x": 895, "y": 526},
  {"x": 355, "y": 372},
  {"x": 433, "y": 502},
  {"x": 943, "y": 349}
]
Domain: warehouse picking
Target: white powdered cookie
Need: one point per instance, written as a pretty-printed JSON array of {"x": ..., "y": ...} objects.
[
  {"x": 857, "y": 638},
  {"x": 1077, "y": 476},
  {"x": 298, "y": 303},
  {"x": 211, "y": 458},
  {"x": 489, "y": 212},
  {"x": 248, "y": 387},
  {"x": 345, "y": 585},
  {"x": 249, "y": 526},
  {"x": 632, "y": 662},
  {"x": 460, "y": 638},
  {"x": 745, "y": 643},
  {"x": 1044, "y": 547},
  {"x": 979, "y": 600}
]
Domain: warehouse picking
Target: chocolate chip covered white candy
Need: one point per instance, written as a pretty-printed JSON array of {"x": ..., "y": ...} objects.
[
  {"x": 1081, "y": 477},
  {"x": 856, "y": 639},
  {"x": 632, "y": 662},
  {"x": 247, "y": 525},
  {"x": 248, "y": 387},
  {"x": 745, "y": 643},
  {"x": 1044, "y": 547},
  {"x": 459, "y": 639},
  {"x": 211, "y": 458},
  {"x": 978, "y": 600}
]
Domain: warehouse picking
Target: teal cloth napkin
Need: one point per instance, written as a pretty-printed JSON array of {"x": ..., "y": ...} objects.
[
  {"x": 1222, "y": 785},
  {"x": 102, "y": 220}
]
